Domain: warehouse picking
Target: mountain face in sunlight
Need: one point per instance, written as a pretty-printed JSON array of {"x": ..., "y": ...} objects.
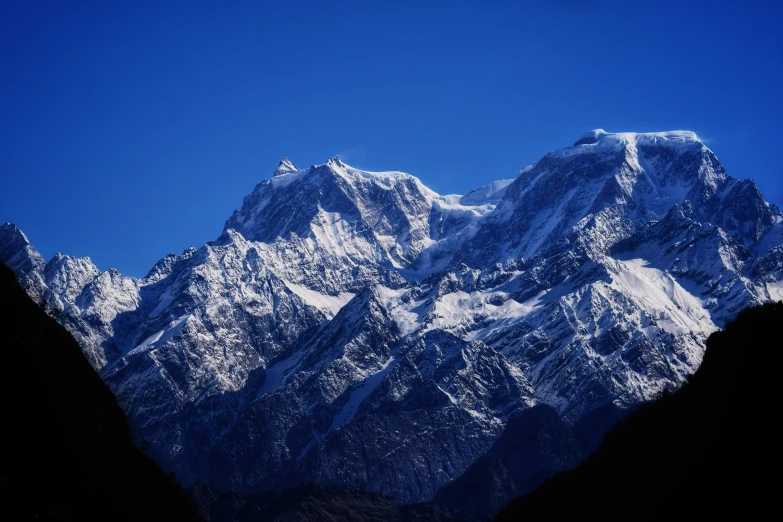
[{"x": 704, "y": 450}]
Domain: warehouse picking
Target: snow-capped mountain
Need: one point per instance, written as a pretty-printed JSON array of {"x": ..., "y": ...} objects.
[{"x": 356, "y": 329}]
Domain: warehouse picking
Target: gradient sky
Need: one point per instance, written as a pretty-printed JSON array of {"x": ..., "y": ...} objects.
[{"x": 131, "y": 131}]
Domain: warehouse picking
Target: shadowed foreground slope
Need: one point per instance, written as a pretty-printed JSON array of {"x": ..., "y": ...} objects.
[
  {"x": 711, "y": 448},
  {"x": 66, "y": 453},
  {"x": 317, "y": 503}
]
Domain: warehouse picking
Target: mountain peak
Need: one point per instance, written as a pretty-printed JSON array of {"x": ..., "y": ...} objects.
[
  {"x": 601, "y": 136},
  {"x": 11, "y": 231},
  {"x": 335, "y": 164},
  {"x": 286, "y": 166}
]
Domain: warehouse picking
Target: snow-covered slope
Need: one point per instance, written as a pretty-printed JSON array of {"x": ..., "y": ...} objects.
[
  {"x": 21, "y": 257},
  {"x": 336, "y": 228},
  {"x": 356, "y": 329}
]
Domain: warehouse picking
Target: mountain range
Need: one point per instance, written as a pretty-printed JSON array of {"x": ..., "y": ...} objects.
[{"x": 357, "y": 330}]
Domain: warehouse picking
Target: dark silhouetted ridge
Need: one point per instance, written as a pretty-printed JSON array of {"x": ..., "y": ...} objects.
[
  {"x": 66, "y": 451},
  {"x": 315, "y": 502},
  {"x": 711, "y": 448}
]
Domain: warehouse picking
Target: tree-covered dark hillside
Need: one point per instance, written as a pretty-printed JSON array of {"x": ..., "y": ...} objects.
[{"x": 65, "y": 449}]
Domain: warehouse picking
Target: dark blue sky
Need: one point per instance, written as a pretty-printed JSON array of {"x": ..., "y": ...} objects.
[{"x": 131, "y": 132}]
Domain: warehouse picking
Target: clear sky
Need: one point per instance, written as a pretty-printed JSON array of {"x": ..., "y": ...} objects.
[{"x": 131, "y": 130}]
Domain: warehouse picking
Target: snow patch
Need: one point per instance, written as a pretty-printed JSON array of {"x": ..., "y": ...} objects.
[
  {"x": 775, "y": 290},
  {"x": 677, "y": 136},
  {"x": 328, "y": 304},
  {"x": 492, "y": 192},
  {"x": 159, "y": 338},
  {"x": 286, "y": 178},
  {"x": 274, "y": 374},
  {"x": 360, "y": 392},
  {"x": 408, "y": 316},
  {"x": 657, "y": 291}
]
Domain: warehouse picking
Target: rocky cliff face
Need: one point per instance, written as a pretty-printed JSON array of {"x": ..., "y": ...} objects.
[{"x": 358, "y": 330}]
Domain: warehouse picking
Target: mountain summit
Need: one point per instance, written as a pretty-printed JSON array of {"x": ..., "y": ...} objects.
[
  {"x": 285, "y": 167},
  {"x": 358, "y": 330},
  {"x": 601, "y": 136}
]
